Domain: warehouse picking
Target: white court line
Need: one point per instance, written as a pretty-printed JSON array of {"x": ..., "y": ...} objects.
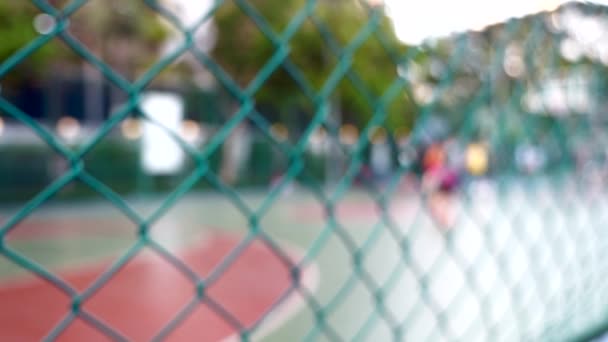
[{"x": 283, "y": 313}]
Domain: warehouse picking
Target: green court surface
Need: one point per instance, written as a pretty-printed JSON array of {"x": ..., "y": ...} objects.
[{"x": 521, "y": 263}]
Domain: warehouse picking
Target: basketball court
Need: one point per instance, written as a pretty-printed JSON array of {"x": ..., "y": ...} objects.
[{"x": 503, "y": 269}]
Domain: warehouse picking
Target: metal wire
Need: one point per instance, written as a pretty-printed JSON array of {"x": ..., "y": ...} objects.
[{"x": 496, "y": 248}]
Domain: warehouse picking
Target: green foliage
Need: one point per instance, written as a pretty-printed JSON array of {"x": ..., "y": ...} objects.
[
  {"x": 334, "y": 24},
  {"x": 125, "y": 19},
  {"x": 95, "y": 24},
  {"x": 17, "y": 30}
]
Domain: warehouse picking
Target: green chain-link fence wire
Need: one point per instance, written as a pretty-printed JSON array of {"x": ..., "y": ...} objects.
[{"x": 481, "y": 88}]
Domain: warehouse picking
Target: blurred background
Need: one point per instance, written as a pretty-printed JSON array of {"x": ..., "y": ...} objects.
[
  {"x": 536, "y": 77},
  {"x": 440, "y": 164}
]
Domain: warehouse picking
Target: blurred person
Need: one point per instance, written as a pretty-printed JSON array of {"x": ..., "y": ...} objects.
[
  {"x": 440, "y": 180},
  {"x": 477, "y": 159},
  {"x": 236, "y": 152},
  {"x": 381, "y": 161},
  {"x": 408, "y": 157},
  {"x": 476, "y": 163}
]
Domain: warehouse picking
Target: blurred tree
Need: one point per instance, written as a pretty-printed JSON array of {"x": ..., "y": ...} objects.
[
  {"x": 17, "y": 28},
  {"x": 120, "y": 32},
  {"x": 126, "y": 34},
  {"x": 242, "y": 49}
]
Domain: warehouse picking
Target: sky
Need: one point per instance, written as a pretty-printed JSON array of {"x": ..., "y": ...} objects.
[
  {"x": 416, "y": 20},
  {"x": 420, "y": 19}
]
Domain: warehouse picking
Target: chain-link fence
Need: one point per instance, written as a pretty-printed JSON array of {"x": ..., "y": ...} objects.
[{"x": 493, "y": 141}]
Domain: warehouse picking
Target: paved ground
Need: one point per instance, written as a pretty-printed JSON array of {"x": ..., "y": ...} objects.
[{"x": 520, "y": 264}]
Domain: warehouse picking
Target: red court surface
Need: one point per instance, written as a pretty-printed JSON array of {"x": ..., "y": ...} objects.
[{"x": 148, "y": 292}]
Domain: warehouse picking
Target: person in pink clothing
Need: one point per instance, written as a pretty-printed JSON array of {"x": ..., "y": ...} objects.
[{"x": 440, "y": 181}]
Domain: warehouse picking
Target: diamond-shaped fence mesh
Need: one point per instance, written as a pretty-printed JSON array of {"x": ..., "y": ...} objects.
[{"x": 448, "y": 191}]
